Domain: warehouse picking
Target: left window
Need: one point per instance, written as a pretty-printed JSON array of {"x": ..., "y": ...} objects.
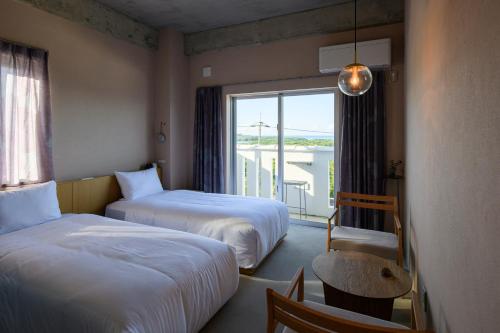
[{"x": 25, "y": 124}]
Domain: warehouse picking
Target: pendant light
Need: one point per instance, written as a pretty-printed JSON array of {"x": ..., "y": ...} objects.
[{"x": 355, "y": 79}]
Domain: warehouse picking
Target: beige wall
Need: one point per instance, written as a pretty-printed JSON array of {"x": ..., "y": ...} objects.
[
  {"x": 453, "y": 159},
  {"x": 101, "y": 92},
  {"x": 171, "y": 107},
  {"x": 297, "y": 58}
]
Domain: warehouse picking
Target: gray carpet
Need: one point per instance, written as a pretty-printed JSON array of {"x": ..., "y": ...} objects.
[{"x": 246, "y": 310}]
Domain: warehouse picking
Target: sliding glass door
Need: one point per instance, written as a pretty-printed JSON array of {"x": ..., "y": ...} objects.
[
  {"x": 283, "y": 147},
  {"x": 308, "y": 158},
  {"x": 256, "y": 146}
]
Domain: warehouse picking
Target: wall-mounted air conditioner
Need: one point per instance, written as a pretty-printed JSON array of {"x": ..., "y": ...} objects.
[{"x": 374, "y": 54}]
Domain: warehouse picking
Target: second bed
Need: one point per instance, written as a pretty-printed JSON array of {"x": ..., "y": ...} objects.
[{"x": 252, "y": 226}]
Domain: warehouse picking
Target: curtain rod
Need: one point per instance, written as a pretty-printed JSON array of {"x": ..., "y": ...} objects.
[
  {"x": 279, "y": 80},
  {"x": 22, "y": 44},
  {"x": 285, "y": 79}
]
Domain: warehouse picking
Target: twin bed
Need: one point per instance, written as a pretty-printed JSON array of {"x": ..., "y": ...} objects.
[
  {"x": 85, "y": 273},
  {"x": 252, "y": 226},
  {"x": 88, "y": 273}
]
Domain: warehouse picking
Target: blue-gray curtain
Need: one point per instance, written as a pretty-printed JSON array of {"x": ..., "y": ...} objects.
[
  {"x": 362, "y": 152},
  {"x": 208, "y": 141}
]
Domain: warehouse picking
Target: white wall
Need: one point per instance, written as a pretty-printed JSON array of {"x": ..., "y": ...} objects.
[{"x": 453, "y": 159}]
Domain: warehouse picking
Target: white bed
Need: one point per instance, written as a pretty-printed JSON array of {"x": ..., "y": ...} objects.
[
  {"x": 85, "y": 273},
  {"x": 252, "y": 226}
]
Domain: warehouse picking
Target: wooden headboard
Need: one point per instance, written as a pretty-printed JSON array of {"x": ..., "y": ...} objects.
[{"x": 90, "y": 196}]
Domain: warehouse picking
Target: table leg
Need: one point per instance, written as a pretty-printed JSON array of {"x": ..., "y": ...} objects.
[{"x": 374, "y": 307}]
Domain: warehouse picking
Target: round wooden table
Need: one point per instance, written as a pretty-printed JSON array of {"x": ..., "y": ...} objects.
[{"x": 361, "y": 282}]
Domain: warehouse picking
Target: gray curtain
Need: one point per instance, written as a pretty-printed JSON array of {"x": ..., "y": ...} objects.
[
  {"x": 362, "y": 152},
  {"x": 25, "y": 124},
  {"x": 208, "y": 141}
]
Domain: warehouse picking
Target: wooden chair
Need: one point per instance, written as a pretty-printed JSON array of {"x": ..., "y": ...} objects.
[
  {"x": 310, "y": 317},
  {"x": 383, "y": 244}
]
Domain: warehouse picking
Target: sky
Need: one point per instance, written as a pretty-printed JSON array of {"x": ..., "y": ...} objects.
[{"x": 304, "y": 115}]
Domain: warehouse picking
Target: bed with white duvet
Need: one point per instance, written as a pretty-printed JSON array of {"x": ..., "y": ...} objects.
[
  {"x": 86, "y": 273},
  {"x": 252, "y": 226}
]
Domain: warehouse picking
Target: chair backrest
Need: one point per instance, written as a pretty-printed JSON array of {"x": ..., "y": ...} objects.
[
  {"x": 368, "y": 201},
  {"x": 387, "y": 203},
  {"x": 296, "y": 316}
]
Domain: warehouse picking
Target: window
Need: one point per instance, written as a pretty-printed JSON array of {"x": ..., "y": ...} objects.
[
  {"x": 287, "y": 140},
  {"x": 25, "y": 140}
]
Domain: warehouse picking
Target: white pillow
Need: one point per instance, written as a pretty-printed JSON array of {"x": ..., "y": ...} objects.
[
  {"x": 139, "y": 184},
  {"x": 29, "y": 206}
]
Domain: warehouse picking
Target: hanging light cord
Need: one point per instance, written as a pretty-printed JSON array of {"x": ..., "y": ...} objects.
[{"x": 355, "y": 32}]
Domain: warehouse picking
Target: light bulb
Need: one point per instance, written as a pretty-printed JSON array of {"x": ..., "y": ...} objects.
[{"x": 355, "y": 79}]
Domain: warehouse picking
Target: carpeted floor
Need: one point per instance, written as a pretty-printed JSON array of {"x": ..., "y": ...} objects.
[{"x": 246, "y": 310}]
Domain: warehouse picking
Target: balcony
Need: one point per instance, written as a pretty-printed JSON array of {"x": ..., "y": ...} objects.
[{"x": 308, "y": 175}]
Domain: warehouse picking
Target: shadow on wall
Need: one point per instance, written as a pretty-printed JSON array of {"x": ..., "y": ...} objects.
[
  {"x": 418, "y": 284},
  {"x": 442, "y": 325}
]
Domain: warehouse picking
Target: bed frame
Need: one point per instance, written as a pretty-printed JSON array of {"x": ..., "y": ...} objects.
[
  {"x": 251, "y": 271},
  {"x": 92, "y": 195},
  {"x": 89, "y": 195}
]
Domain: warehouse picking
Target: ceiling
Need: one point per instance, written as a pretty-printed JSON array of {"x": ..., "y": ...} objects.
[{"x": 199, "y": 15}]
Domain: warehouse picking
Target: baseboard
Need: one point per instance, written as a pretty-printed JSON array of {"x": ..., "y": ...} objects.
[{"x": 308, "y": 223}]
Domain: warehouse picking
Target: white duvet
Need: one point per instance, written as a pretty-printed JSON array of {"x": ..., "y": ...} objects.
[
  {"x": 85, "y": 273},
  {"x": 252, "y": 226}
]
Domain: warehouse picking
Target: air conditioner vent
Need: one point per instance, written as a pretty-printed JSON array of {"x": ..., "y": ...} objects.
[{"x": 374, "y": 54}]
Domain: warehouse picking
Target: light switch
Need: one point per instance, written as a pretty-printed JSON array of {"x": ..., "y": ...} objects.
[{"x": 207, "y": 71}]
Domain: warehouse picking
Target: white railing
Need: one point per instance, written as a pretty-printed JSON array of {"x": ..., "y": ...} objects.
[{"x": 257, "y": 170}]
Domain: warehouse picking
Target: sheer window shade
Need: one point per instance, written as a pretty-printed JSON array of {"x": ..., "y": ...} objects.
[{"x": 25, "y": 133}]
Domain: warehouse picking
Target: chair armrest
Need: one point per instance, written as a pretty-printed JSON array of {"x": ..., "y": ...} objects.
[
  {"x": 329, "y": 230},
  {"x": 297, "y": 281},
  {"x": 398, "y": 230},
  {"x": 397, "y": 225},
  {"x": 332, "y": 216}
]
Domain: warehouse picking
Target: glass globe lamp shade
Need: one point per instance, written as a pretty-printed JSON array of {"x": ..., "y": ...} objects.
[{"x": 355, "y": 79}]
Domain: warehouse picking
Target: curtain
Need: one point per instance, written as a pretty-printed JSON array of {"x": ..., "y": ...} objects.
[
  {"x": 362, "y": 152},
  {"x": 25, "y": 125},
  {"x": 208, "y": 141}
]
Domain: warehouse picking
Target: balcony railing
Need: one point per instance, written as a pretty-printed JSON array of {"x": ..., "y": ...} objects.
[{"x": 258, "y": 168}]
